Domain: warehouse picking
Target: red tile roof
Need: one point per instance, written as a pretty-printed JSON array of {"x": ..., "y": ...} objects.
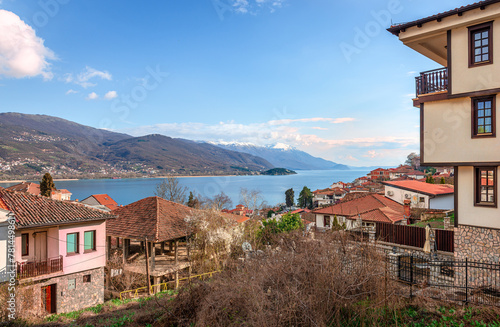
[
  {"x": 35, "y": 210},
  {"x": 421, "y": 187},
  {"x": 104, "y": 200},
  {"x": 155, "y": 218},
  {"x": 372, "y": 207},
  {"x": 32, "y": 188}
]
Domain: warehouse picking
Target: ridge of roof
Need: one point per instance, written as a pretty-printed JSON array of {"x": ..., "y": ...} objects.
[{"x": 396, "y": 29}]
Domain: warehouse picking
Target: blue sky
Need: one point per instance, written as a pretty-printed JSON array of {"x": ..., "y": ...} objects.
[{"x": 323, "y": 76}]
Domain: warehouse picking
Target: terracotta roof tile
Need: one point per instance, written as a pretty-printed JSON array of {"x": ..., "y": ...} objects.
[
  {"x": 105, "y": 200},
  {"x": 35, "y": 210},
  {"x": 372, "y": 207},
  {"x": 155, "y": 218}
]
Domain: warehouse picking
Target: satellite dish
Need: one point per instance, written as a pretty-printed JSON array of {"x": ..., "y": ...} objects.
[{"x": 247, "y": 247}]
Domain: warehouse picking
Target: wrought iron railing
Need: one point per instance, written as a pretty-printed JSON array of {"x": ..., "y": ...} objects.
[
  {"x": 35, "y": 268},
  {"x": 432, "y": 81}
]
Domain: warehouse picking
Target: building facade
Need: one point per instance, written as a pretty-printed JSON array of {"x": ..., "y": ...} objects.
[{"x": 458, "y": 115}]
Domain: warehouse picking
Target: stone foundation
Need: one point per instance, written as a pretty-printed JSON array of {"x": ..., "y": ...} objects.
[
  {"x": 477, "y": 243},
  {"x": 85, "y": 294}
]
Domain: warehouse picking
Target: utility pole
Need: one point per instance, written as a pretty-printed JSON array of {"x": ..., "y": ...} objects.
[{"x": 147, "y": 267}]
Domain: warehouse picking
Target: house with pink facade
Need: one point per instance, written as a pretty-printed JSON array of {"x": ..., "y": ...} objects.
[{"x": 60, "y": 253}]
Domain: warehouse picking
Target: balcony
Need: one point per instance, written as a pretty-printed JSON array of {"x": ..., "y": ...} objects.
[
  {"x": 432, "y": 81},
  {"x": 36, "y": 268}
]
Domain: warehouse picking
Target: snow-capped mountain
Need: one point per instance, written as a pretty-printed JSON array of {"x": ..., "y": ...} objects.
[{"x": 283, "y": 155}]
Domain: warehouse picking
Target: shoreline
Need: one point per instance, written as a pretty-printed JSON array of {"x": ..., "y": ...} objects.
[{"x": 25, "y": 180}]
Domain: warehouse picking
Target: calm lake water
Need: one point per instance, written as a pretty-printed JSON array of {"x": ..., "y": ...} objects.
[{"x": 272, "y": 188}]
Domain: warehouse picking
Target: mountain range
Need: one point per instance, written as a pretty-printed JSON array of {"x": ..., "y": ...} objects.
[
  {"x": 32, "y": 144},
  {"x": 285, "y": 156}
]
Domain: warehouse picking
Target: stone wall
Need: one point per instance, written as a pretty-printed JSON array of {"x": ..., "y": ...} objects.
[
  {"x": 477, "y": 243},
  {"x": 84, "y": 295}
]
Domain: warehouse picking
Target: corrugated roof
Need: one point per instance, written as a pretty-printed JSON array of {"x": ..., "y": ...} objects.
[{"x": 422, "y": 187}]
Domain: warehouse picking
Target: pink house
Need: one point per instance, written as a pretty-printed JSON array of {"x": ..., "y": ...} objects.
[{"x": 60, "y": 252}]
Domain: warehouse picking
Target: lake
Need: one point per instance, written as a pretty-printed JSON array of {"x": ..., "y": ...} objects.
[{"x": 272, "y": 188}]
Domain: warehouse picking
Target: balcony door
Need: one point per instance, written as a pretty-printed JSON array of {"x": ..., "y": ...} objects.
[{"x": 40, "y": 246}]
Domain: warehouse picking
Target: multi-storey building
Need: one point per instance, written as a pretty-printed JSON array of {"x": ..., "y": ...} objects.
[
  {"x": 458, "y": 115},
  {"x": 60, "y": 253}
]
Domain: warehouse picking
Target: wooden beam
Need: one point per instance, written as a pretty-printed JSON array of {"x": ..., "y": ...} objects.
[
  {"x": 170, "y": 246},
  {"x": 176, "y": 251},
  {"x": 147, "y": 268},
  {"x": 108, "y": 247},
  {"x": 153, "y": 256},
  {"x": 163, "y": 247}
]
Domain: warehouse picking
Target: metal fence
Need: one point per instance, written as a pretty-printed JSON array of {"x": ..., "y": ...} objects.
[{"x": 454, "y": 280}]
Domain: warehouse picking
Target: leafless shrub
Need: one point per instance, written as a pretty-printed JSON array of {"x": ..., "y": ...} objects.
[
  {"x": 124, "y": 280},
  {"x": 301, "y": 282}
]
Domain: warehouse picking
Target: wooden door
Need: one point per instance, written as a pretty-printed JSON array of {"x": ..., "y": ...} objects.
[{"x": 49, "y": 301}]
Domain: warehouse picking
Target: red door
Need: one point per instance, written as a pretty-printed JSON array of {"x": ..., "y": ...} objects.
[{"x": 49, "y": 298}]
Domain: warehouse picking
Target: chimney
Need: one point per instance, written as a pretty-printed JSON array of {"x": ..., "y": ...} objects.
[{"x": 407, "y": 210}]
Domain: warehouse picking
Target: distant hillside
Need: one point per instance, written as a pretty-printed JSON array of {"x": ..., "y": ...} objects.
[
  {"x": 282, "y": 155},
  {"x": 31, "y": 144}
]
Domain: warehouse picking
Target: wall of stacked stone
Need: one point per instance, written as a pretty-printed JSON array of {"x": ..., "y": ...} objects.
[
  {"x": 481, "y": 247},
  {"x": 477, "y": 243},
  {"x": 84, "y": 295}
]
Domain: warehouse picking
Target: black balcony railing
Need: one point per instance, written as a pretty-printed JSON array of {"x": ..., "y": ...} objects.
[
  {"x": 39, "y": 267},
  {"x": 432, "y": 81}
]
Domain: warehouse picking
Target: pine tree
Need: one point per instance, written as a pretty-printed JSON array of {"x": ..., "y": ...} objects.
[
  {"x": 192, "y": 201},
  {"x": 290, "y": 197},
  {"x": 47, "y": 185},
  {"x": 442, "y": 180},
  {"x": 305, "y": 198}
]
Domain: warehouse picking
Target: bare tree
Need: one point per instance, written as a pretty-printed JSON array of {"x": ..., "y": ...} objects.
[
  {"x": 252, "y": 199},
  {"x": 171, "y": 190},
  {"x": 219, "y": 202}
]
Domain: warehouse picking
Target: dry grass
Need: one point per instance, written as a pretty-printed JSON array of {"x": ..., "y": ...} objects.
[{"x": 301, "y": 282}]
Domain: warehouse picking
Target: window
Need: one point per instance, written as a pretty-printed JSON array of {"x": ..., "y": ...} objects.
[
  {"x": 89, "y": 241},
  {"x": 483, "y": 116},
  {"x": 480, "y": 48},
  {"x": 86, "y": 278},
  {"x": 421, "y": 199},
  {"x": 72, "y": 243},
  {"x": 326, "y": 221},
  {"x": 25, "y": 246},
  {"x": 486, "y": 186}
]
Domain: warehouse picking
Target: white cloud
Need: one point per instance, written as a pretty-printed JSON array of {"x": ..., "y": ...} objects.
[
  {"x": 92, "y": 96},
  {"x": 311, "y": 120},
  {"x": 253, "y": 6},
  {"x": 320, "y": 128},
  {"x": 22, "y": 53},
  {"x": 71, "y": 91},
  {"x": 110, "y": 95},
  {"x": 83, "y": 79}
]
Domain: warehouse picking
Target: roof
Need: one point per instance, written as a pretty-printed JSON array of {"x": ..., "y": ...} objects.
[
  {"x": 421, "y": 187},
  {"x": 396, "y": 29},
  {"x": 36, "y": 210},
  {"x": 372, "y": 207},
  {"x": 237, "y": 218},
  {"x": 104, "y": 200},
  {"x": 154, "y": 217},
  {"x": 65, "y": 191},
  {"x": 32, "y": 188}
]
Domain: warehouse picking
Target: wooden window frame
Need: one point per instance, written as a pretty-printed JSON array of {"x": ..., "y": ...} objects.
[
  {"x": 77, "y": 244},
  {"x": 94, "y": 248},
  {"x": 477, "y": 187},
  {"x": 87, "y": 278},
  {"x": 472, "y": 30},
  {"x": 27, "y": 235},
  {"x": 474, "y": 129}
]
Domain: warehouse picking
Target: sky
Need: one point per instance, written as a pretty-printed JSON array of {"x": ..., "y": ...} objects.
[{"x": 322, "y": 76}]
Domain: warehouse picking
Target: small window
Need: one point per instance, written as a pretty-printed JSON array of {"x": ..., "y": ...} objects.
[
  {"x": 86, "y": 278},
  {"x": 480, "y": 47},
  {"x": 483, "y": 116},
  {"x": 89, "y": 241},
  {"x": 326, "y": 221},
  {"x": 486, "y": 186},
  {"x": 421, "y": 199},
  {"x": 71, "y": 284},
  {"x": 72, "y": 243},
  {"x": 25, "y": 244}
]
